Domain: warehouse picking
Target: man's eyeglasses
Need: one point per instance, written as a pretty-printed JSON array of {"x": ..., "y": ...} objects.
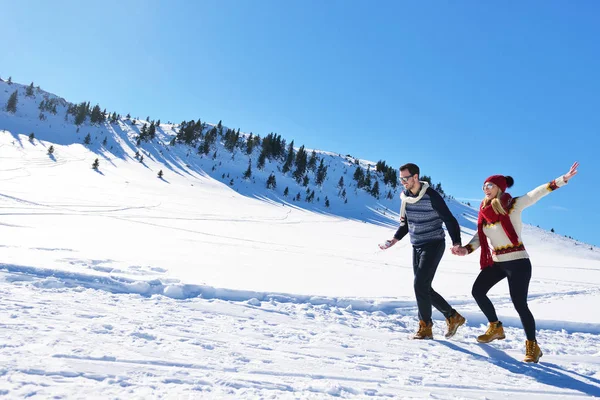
[
  {"x": 488, "y": 186},
  {"x": 405, "y": 178}
]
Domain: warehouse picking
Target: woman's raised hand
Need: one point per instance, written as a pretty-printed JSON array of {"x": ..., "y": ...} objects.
[{"x": 572, "y": 172}]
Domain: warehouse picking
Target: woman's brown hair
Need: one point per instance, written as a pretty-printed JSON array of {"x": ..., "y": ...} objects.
[{"x": 496, "y": 203}]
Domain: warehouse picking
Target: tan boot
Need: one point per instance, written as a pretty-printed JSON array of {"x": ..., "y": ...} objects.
[
  {"x": 495, "y": 331},
  {"x": 424, "y": 331},
  {"x": 453, "y": 323},
  {"x": 532, "y": 351}
]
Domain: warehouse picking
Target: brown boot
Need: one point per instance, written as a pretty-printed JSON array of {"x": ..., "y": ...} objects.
[
  {"x": 424, "y": 331},
  {"x": 453, "y": 323},
  {"x": 532, "y": 351},
  {"x": 495, "y": 331}
]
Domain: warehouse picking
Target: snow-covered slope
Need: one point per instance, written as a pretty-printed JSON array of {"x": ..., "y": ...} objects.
[{"x": 117, "y": 283}]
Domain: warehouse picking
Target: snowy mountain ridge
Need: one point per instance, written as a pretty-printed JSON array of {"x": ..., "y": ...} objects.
[{"x": 220, "y": 164}]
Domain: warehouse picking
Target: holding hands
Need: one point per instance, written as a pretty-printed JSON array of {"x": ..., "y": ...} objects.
[{"x": 459, "y": 251}]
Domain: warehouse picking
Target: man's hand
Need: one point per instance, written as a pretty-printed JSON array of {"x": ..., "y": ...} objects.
[
  {"x": 459, "y": 250},
  {"x": 388, "y": 244}
]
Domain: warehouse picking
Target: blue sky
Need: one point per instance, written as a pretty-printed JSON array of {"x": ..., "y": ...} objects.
[{"x": 464, "y": 89}]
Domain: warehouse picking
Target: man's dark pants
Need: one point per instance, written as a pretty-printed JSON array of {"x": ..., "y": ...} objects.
[{"x": 425, "y": 262}]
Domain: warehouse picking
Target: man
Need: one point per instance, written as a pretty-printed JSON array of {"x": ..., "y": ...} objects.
[{"x": 421, "y": 215}]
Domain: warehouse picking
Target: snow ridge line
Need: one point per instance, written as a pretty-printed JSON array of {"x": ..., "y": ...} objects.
[
  {"x": 55, "y": 279},
  {"x": 46, "y": 278}
]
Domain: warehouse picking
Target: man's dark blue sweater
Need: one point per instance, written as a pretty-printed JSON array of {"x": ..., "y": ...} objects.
[{"x": 424, "y": 220}]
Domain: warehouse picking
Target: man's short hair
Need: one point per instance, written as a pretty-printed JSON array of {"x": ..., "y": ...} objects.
[{"x": 412, "y": 168}]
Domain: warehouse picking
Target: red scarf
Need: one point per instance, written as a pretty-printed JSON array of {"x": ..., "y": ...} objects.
[{"x": 489, "y": 216}]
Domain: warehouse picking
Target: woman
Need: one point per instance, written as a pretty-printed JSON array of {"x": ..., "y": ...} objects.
[{"x": 500, "y": 221}]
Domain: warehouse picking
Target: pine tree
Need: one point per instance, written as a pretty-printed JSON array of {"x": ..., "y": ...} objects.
[
  {"x": 256, "y": 140},
  {"x": 29, "y": 90},
  {"x": 160, "y": 174},
  {"x": 51, "y": 150},
  {"x": 248, "y": 172},
  {"x": 152, "y": 131},
  {"x": 438, "y": 188},
  {"x": 144, "y": 133},
  {"x": 289, "y": 160},
  {"x": 81, "y": 113},
  {"x": 359, "y": 177},
  {"x": 273, "y": 146},
  {"x": 301, "y": 161},
  {"x": 286, "y": 191},
  {"x": 104, "y": 141},
  {"x": 220, "y": 129},
  {"x": 367, "y": 182},
  {"x": 230, "y": 140},
  {"x": 391, "y": 177},
  {"x": 326, "y": 202},
  {"x": 204, "y": 147},
  {"x": 261, "y": 160},
  {"x": 312, "y": 162},
  {"x": 249, "y": 144},
  {"x": 96, "y": 115},
  {"x": 305, "y": 180},
  {"x": 158, "y": 123},
  {"x": 341, "y": 182},
  {"x": 88, "y": 139},
  {"x": 271, "y": 182},
  {"x": 11, "y": 105},
  {"x": 96, "y": 164},
  {"x": 321, "y": 173},
  {"x": 31, "y": 137},
  {"x": 375, "y": 189}
]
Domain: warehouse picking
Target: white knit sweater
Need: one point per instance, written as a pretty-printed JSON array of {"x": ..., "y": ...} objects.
[{"x": 503, "y": 249}]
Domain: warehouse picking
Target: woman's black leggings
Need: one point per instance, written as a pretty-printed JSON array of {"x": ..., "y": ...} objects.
[{"x": 518, "y": 273}]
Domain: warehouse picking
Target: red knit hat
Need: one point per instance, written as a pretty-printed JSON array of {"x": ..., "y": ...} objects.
[{"x": 498, "y": 180}]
